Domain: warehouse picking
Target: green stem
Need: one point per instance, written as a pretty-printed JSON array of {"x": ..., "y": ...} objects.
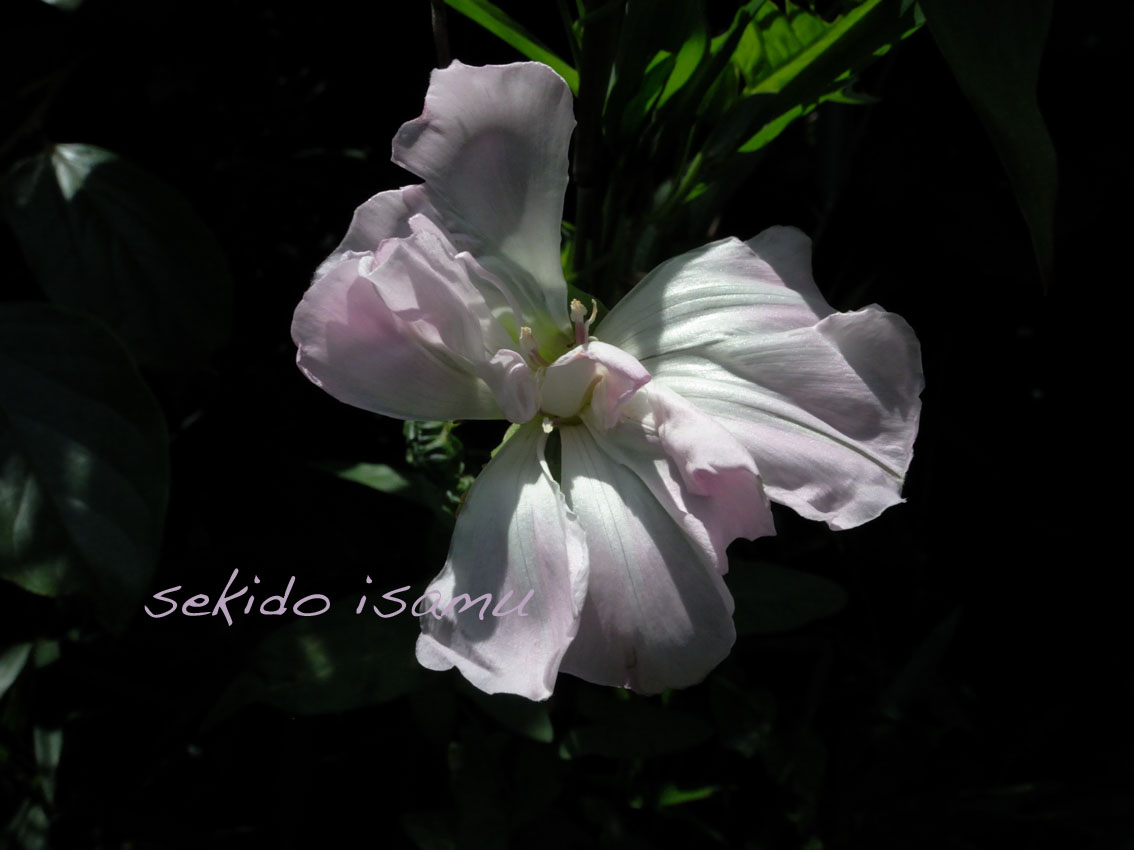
[
  {"x": 569, "y": 28},
  {"x": 599, "y": 39}
]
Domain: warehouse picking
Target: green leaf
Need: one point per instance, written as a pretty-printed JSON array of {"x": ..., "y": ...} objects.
[
  {"x": 83, "y": 461},
  {"x": 671, "y": 795},
  {"x": 778, "y": 46},
  {"x": 386, "y": 479},
  {"x": 329, "y": 663},
  {"x": 793, "y": 60},
  {"x": 636, "y": 729},
  {"x": 994, "y": 50},
  {"x": 771, "y": 598},
  {"x": 518, "y": 715},
  {"x": 12, "y": 662},
  {"x": 688, "y": 57},
  {"x": 509, "y": 434},
  {"x": 501, "y": 25},
  {"x": 105, "y": 237},
  {"x": 916, "y": 677}
]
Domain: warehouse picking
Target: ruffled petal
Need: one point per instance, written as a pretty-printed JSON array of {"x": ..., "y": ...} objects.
[
  {"x": 403, "y": 332},
  {"x": 827, "y": 403},
  {"x": 655, "y": 617},
  {"x": 703, "y": 477},
  {"x": 514, "y": 534},
  {"x": 384, "y": 216},
  {"x": 496, "y": 174}
]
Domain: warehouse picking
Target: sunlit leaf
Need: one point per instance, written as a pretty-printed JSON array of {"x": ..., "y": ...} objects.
[
  {"x": 994, "y": 50},
  {"x": 106, "y": 237},
  {"x": 501, "y": 25},
  {"x": 687, "y": 59},
  {"x": 386, "y": 479},
  {"x": 83, "y": 461},
  {"x": 793, "y": 60}
]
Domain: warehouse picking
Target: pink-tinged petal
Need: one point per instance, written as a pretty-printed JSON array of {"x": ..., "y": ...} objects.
[
  {"x": 514, "y": 534},
  {"x": 402, "y": 213},
  {"x": 384, "y": 216},
  {"x": 400, "y": 333},
  {"x": 829, "y": 412},
  {"x": 655, "y": 617},
  {"x": 512, "y": 383},
  {"x": 703, "y": 477},
  {"x": 726, "y": 288},
  {"x": 491, "y": 146},
  {"x": 428, "y": 288},
  {"x": 827, "y": 403},
  {"x": 595, "y": 371}
]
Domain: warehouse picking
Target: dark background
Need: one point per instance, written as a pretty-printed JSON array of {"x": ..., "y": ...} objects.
[{"x": 972, "y": 693}]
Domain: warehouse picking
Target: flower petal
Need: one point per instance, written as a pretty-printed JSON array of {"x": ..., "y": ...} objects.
[
  {"x": 703, "y": 477},
  {"x": 655, "y": 617},
  {"x": 496, "y": 173},
  {"x": 721, "y": 289},
  {"x": 404, "y": 333},
  {"x": 609, "y": 376},
  {"x": 384, "y": 216},
  {"x": 827, "y": 403},
  {"x": 515, "y": 534},
  {"x": 511, "y": 380}
]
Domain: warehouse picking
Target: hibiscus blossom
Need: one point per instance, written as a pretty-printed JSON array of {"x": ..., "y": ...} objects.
[{"x": 722, "y": 380}]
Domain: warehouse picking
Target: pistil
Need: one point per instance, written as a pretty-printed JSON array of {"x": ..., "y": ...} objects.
[{"x": 582, "y": 324}]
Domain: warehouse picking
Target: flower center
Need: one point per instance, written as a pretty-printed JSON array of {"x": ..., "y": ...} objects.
[
  {"x": 567, "y": 384},
  {"x": 591, "y": 375}
]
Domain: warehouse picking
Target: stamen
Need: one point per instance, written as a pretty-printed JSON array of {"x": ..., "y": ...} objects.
[
  {"x": 530, "y": 348},
  {"x": 548, "y": 425}
]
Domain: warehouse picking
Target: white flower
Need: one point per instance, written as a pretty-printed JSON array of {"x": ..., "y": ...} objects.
[{"x": 723, "y": 376}]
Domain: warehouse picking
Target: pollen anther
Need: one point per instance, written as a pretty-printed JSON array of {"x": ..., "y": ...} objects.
[{"x": 530, "y": 348}]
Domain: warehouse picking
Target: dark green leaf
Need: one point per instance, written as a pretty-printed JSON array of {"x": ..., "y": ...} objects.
[
  {"x": 916, "y": 677},
  {"x": 994, "y": 50},
  {"x": 771, "y": 599},
  {"x": 83, "y": 461},
  {"x": 517, "y": 714},
  {"x": 499, "y": 24},
  {"x": 636, "y": 728},
  {"x": 671, "y": 795},
  {"x": 330, "y": 663},
  {"x": 105, "y": 237},
  {"x": 12, "y": 662}
]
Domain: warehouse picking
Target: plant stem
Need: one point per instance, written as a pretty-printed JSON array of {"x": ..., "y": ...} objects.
[{"x": 599, "y": 39}]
